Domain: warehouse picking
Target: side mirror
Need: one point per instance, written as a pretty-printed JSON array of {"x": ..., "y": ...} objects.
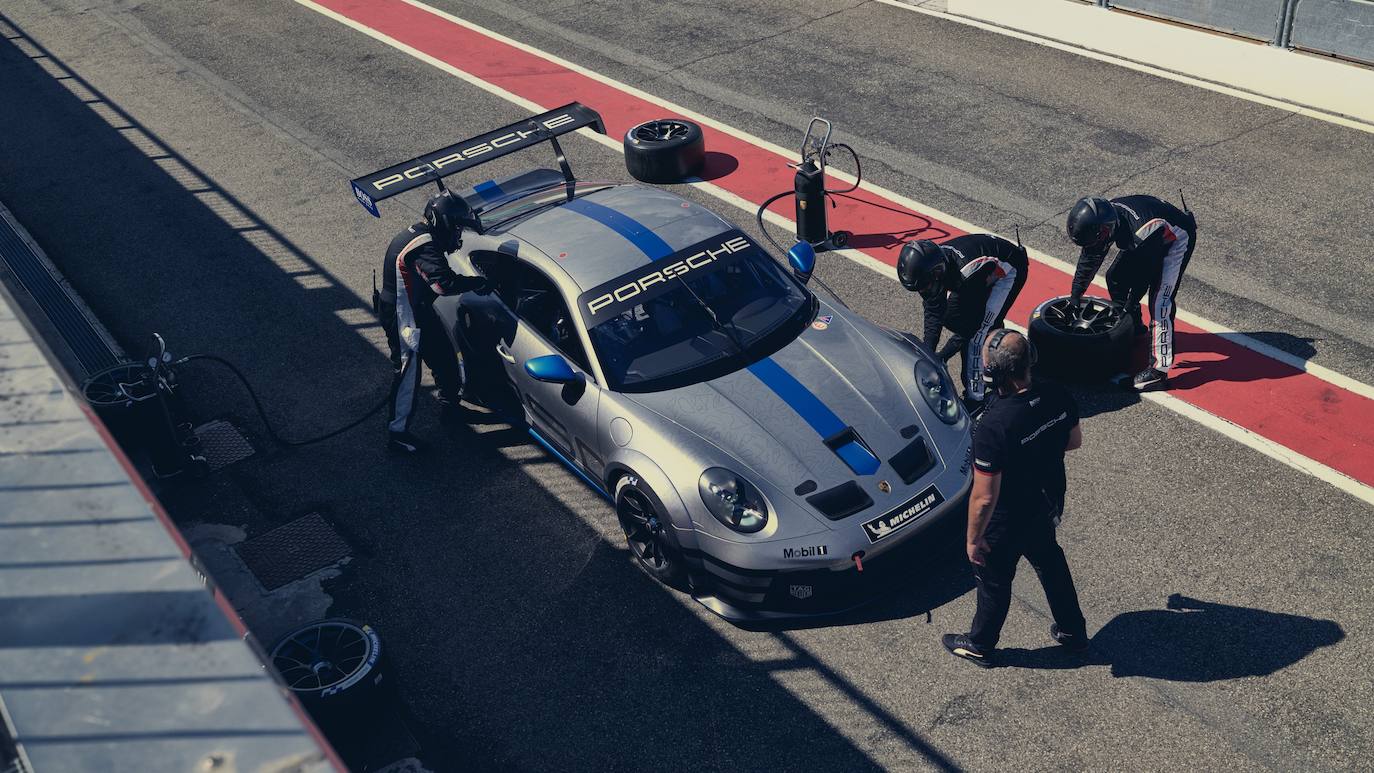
[
  {"x": 552, "y": 369},
  {"x": 802, "y": 256}
]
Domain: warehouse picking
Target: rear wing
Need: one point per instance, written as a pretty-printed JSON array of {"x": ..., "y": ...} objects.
[{"x": 438, "y": 164}]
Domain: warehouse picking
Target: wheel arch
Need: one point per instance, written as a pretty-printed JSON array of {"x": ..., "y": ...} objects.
[{"x": 658, "y": 487}]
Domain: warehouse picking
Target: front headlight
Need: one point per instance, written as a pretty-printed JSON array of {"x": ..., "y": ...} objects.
[
  {"x": 938, "y": 392},
  {"x": 733, "y": 500}
]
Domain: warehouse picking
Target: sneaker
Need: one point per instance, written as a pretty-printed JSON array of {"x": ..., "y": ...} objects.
[
  {"x": 1068, "y": 641},
  {"x": 405, "y": 443},
  {"x": 959, "y": 646},
  {"x": 1150, "y": 378}
]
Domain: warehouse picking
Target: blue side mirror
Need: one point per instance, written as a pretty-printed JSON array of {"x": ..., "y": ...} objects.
[
  {"x": 551, "y": 368},
  {"x": 802, "y": 256}
]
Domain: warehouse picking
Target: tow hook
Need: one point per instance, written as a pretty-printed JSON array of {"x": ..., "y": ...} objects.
[{"x": 859, "y": 560}]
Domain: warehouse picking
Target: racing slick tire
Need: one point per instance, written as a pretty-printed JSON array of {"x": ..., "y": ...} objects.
[
  {"x": 334, "y": 667},
  {"x": 646, "y": 529},
  {"x": 1092, "y": 345},
  {"x": 665, "y": 150}
]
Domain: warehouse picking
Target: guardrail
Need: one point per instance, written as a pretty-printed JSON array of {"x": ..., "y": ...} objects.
[{"x": 1342, "y": 28}]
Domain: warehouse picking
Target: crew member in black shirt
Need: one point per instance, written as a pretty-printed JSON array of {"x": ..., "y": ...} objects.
[{"x": 1017, "y": 498}]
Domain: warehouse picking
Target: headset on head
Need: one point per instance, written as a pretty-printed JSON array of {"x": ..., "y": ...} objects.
[{"x": 999, "y": 377}]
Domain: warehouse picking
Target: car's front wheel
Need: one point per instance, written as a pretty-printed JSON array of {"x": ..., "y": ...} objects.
[{"x": 646, "y": 531}]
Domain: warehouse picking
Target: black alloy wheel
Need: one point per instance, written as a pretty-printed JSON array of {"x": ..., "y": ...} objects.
[
  {"x": 646, "y": 532},
  {"x": 665, "y": 150},
  {"x": 1090, "y": 343},
  {"x": 328, "y": 661}
]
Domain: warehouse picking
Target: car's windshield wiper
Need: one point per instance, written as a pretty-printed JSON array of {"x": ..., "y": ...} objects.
[{"x": 729, "y": 331}]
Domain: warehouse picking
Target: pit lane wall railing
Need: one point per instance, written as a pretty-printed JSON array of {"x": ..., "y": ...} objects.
[
  {"x": 114, "y": 654},
  {"x": 1342, "y": 28}
]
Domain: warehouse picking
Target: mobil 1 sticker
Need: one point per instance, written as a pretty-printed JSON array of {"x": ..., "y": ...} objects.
[{"x": 885, "y": 526}]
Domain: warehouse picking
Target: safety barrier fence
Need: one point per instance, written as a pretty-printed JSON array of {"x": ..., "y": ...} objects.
[{"x": 1343, "y": 28}]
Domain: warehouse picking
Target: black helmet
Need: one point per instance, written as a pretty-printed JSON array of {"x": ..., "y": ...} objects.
[
  {"x": 1092, "y": 221},
  {"x": 924, "y": 264},
  {"x": 445, "y": 214}
]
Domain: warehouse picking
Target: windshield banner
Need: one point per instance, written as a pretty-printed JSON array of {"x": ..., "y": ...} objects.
[{"x": 612, "y": 298}]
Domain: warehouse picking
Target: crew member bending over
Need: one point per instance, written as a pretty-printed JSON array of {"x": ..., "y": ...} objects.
[
  {"x": 414, "y": 273},
  {"x": 967, "y": 285},
  {"x": 1154, "y": 240}
]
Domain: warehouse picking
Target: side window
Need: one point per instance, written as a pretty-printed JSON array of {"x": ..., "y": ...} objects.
[{"x": 535, "y": 299}]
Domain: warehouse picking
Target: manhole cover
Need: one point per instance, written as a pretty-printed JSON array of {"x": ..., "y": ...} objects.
[
  {"x": 223, "y": 444},
  {"x": 292, "y": 551}
]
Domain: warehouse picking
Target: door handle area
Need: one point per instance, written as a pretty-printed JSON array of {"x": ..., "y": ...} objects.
[{"x": 505, "y": 353}]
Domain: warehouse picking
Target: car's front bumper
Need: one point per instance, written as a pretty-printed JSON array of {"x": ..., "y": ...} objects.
[{"x": 743, "y": 595}]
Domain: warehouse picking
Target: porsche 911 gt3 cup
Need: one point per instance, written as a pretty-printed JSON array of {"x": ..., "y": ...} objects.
[{"x": 763, "y": 445}]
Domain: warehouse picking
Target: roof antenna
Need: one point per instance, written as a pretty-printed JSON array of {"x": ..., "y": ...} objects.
[
  {"x": 1017, "y": 226},
  {"x": 1185, "y": 201}
]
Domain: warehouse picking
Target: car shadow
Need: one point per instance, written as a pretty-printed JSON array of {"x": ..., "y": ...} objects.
[{"x": 1190, "y": 640}]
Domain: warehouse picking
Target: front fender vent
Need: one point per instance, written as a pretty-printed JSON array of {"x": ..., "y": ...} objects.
[{"x": 841, "y": 501}]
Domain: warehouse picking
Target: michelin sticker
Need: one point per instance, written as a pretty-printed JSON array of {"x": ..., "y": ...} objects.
[{"x": 885, "y": 526}]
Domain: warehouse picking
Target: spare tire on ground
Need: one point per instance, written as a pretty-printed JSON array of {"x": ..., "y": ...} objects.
[
  {"x": 665, "y": 150},
  {"x": 334, "y": 667},
  {"x": 1090, "y": 343}
]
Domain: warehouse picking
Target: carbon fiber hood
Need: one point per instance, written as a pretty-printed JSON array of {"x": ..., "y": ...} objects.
[{"x": 746, "y": 418}]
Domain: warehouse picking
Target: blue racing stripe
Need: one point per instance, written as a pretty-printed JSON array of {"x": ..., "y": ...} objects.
[
  {"x": 813, "y": 412},
  {"x": 488, "y": 190},
  {"x": 637, "y": 233}
]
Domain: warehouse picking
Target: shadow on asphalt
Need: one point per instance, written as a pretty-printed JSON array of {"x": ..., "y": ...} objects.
[
  {"x": 519, "y": 637},
  {"x": 1191, "y": 641}
]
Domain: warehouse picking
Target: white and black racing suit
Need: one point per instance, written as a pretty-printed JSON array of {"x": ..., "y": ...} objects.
[
  {"x": 414, "y": 273},
  {"x": 1154, "y": 241},
  {"x": 992, "y": 272}
]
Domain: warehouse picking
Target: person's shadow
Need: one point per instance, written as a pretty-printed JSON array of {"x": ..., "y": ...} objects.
[{"x": 1191, "y": 641}]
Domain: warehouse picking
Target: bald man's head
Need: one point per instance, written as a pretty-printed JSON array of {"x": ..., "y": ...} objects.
[{"x": 1012, "y": 355}]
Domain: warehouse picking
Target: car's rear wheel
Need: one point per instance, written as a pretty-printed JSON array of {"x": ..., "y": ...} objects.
[
  {"x": 646, "y": 531},
  {"x": 1089, "y": 343},
  {"x": 665, "y": 150}
]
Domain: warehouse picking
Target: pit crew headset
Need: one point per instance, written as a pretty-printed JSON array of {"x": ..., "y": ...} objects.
[{"x": 995, "y": 373}]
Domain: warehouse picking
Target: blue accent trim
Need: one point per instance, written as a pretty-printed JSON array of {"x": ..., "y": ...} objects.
[
  {"x": 489, "y": 190},
  {"x": 860, "y": 459},
  {"x": 814, "y": 412},
  {"x": 637, "y": 233},
  {"x": 798, "y": 397},
  {"x": 569, "y": 464}
]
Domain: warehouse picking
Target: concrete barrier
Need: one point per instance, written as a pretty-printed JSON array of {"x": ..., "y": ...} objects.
[{"x": 1316, "y": 83}]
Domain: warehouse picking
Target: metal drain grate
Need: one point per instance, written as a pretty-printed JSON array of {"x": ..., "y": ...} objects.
[
  {"x": 223, "y": 444},
  {"x": 292, "y": 551}
]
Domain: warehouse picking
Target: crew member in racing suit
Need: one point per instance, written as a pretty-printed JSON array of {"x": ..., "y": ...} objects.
[
  {"x": 1154, "y": 241},
  {"x": 414, "y": 273},
  {"x": 967, "y": 284}
]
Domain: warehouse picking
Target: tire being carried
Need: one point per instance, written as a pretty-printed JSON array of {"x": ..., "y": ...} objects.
[
  {"x": 1092, "y": 343},
  {"x": 665, "y": 150}
]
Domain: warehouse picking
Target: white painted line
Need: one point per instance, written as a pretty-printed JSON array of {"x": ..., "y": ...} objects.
[
  {"x": 1240, "y": 434},
  {"x": 1131, "y": 64}
]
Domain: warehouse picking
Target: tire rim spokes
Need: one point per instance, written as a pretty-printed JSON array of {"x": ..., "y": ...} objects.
[
  {"x": 1092, "y": 318},
  {"x": 661, "y": 131},
  {"x": 642, "y": 529},
  {"x": 321, "y": 656}
]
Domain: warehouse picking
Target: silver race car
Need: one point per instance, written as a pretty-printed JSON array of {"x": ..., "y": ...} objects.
[{"x": 763, "y": 445}]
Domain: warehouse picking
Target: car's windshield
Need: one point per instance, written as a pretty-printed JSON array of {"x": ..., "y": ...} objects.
[{"x": 652, "y": 330}]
